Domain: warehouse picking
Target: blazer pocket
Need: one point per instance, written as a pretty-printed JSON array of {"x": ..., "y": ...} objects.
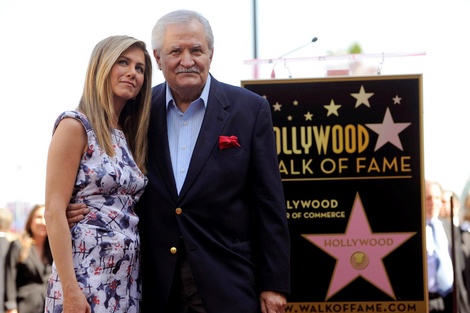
[
  {"x": 243, "y": 248},
  {"x": 230, "y": 152}
]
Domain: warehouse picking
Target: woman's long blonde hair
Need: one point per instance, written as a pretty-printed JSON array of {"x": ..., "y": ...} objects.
[{"x": 97, "y": 98}]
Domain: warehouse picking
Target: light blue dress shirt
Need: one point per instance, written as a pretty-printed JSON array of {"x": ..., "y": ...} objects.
[
  {"x": 440, "y": 271},
  {"x": 183, "y": 130},
  {"x": 431, "y": 259}
]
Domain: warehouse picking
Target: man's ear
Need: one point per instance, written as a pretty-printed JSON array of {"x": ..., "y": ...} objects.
[
  {"x": 212, "y": 54},
  {"x": 157, "y": 58}
]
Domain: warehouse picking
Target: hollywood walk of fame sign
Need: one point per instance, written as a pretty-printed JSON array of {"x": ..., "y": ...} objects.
[{"x": 350, "y": 156}]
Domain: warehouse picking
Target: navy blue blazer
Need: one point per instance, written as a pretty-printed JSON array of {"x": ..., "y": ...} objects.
[{"x": 230, "y": 211}]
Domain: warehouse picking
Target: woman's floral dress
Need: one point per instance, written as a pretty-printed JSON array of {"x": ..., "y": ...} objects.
[{"x": 106, "y": 243}]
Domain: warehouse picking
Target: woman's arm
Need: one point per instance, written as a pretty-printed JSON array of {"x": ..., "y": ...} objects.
[{"x": 65, "y": 152}]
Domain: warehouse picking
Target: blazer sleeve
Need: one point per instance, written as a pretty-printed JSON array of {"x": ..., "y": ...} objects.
[
  {"x": 270, "y": 209},
  {"x": 11, "y": 272}
]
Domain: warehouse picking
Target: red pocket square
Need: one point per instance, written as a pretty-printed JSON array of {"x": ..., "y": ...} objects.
[{"x": 228, "y": 142}]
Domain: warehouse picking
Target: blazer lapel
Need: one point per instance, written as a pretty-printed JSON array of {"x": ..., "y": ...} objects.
[
  {"x": 215, "y": 119},
  {"x": 36, "y": 262}
]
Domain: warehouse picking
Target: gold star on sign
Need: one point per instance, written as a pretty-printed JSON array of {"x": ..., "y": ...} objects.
[
  {"x": 362, "y": 97},
  {"x": 308, "y": 116},
  {"x": 277, "y": 106},
  {"x": 396, "y": 100},
  {"x": 332, "y": 108}
]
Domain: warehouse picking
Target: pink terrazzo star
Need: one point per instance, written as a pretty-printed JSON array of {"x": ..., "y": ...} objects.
[{"x": 359, "y": 252}]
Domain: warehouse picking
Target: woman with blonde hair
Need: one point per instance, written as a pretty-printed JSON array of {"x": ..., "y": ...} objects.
[
  {"x": 97, "y": 157},
  {"x": 27, "y": 266}
]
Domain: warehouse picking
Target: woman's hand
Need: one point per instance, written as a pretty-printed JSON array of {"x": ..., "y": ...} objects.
[{"x": 75, "y": 301}]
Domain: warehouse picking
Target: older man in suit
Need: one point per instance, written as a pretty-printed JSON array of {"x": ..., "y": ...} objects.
[{"x": 212, "y": 219}]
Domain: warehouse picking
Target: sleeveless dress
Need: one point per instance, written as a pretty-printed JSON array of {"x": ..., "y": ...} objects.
[{"x": 106, "y": 244}]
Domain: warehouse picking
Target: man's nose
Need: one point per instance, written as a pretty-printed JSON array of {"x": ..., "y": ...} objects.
[{"x": 187, "y": 59}]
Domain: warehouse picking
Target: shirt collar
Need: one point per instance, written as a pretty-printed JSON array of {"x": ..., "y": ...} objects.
[{"x": 204, "y": 94}]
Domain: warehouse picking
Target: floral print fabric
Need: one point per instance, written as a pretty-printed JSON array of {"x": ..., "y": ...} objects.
[{"x": 106, "y": 243}]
